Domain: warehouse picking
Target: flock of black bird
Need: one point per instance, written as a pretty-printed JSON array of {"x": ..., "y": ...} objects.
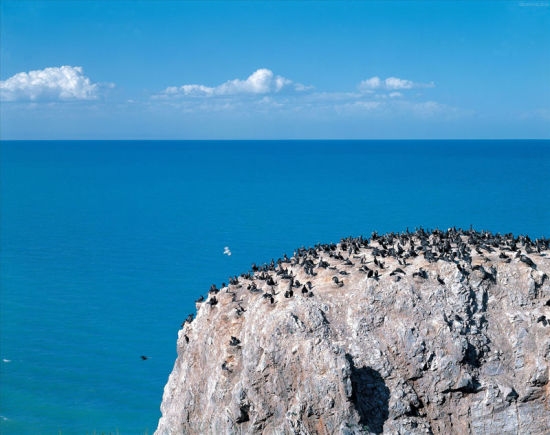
[{"x": 454, "y": 246}]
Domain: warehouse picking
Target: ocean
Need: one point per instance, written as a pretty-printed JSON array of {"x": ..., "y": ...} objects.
[{"x": 105, "y": 245}]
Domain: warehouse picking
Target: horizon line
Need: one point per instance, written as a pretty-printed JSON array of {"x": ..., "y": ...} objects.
[{"x": 272, "y": 140}]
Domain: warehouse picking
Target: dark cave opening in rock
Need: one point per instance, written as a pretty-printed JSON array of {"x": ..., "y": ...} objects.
[{"x": 370, "y": 396}]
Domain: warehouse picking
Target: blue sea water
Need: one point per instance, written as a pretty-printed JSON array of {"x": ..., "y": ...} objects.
[{"x": 106, "y": 245}]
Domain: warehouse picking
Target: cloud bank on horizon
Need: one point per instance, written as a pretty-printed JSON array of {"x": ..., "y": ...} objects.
[
  {"x": 262, "y": 92},
  {"x": 64, "y": 83}
]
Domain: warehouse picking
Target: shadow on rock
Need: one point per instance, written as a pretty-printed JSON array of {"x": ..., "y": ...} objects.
[{"x": 370, "y": 395}]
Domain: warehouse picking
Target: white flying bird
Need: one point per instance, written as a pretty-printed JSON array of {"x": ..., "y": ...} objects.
[{"x": 226, "y": 251}]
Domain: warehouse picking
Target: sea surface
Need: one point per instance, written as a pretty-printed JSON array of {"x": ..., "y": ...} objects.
[{"x": 105, "y": 246}]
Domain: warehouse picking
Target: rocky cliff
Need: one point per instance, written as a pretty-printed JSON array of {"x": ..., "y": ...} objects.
[{"x": 425, "y": 332}]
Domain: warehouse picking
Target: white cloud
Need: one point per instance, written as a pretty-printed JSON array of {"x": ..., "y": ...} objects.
[
  {"x": 372, "y": 83},
  {"x": 50, "y": 84},
  {"x": 391, "y": 84},
  {"x": 395, "y": 83},
  {"x": 261, "y": 82}
]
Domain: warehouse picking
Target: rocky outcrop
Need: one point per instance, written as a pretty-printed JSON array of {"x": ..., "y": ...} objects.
[{"x": 425, "y": 332}]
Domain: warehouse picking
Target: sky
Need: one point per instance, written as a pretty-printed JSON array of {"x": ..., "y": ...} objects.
[{"x": 274, "y": 69}]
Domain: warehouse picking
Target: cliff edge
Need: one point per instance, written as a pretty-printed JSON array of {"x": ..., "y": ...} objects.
[{"x": 424, "y": 332}]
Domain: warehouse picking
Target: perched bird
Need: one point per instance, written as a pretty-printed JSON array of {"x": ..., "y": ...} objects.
[
  {"x": 527, "y": 261},
  {"x": 269, "y": 296},
  {"x": 396, "y": 271}
]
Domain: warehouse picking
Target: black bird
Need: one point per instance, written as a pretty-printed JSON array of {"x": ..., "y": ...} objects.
[
  {"x": 188, "y": 320},
  {"x": 396, "y": 271},
  {"x": 234, "y": 341},
  {"x": 337, "y": 281},
  {"x": 421, "y": 273},
  {"x": 269, "y": 296},
  {"x": 143, "y": 357},
  {"x": 527, "y": 261},
  {"x": 323, "y": 264},
  {"x": 255, "y": 289}
]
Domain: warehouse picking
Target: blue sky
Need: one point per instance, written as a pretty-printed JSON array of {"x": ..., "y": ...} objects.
[{"x": 274, "y": 70}]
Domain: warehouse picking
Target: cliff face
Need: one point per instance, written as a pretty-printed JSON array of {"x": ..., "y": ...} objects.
[{"x": 418, "y": 333}]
